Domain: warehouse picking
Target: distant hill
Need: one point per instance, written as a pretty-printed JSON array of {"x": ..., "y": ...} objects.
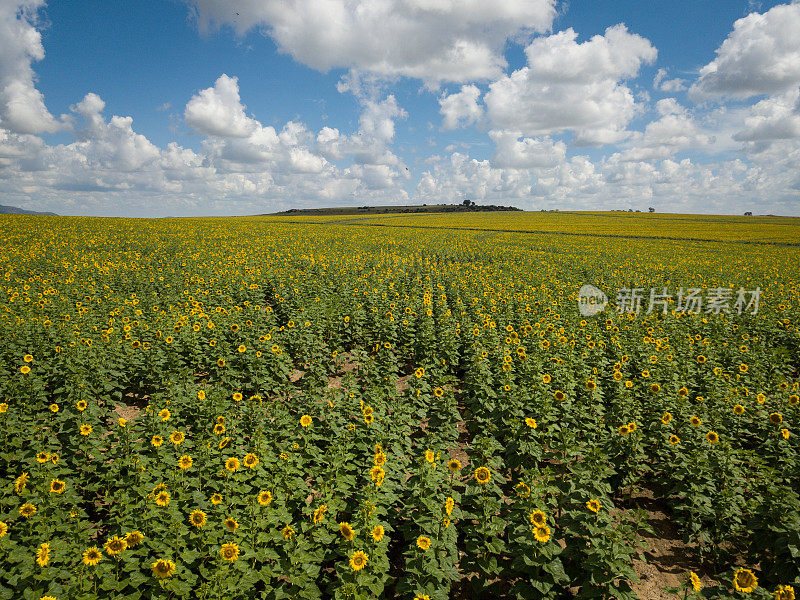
[
  {"x": 13, "y": 210},
  {"x": 379, "y": 210}
]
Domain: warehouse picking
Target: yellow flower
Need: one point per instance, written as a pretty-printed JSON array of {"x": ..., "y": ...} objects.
[
  {"x": 593, "y": 505},
  {"x": 197, "y": 518},
  {"x": 3, "y": 407},
  {"x": 264, "y": 497},
  {"x": 162, "y": 569},
  {"x": 377, "y": 533},
  {"x": 483, "y": 475},
  {"x": 738, "y": 409},
  {"x": 695, "y": 422},
  {"x": 784, "y": 592},
  {"x": 92, "y": 556},
  {"x": 201, "y": 395},
  {"x": 164, "y": 414},
  {"x": 785, "y": 434},
  {"x": 674, "y": 440},
  {"x": 712, "y": 437},
  {"x": 42, "y": 457},
  {"x": 430, "y": 456},
  {"x": 185, "y": 462},
  {"x": 232, "y": 464},
  {"x": 250, "y": 460},
  {"x": 177, "y": 437},
  {"x": 157, "y": 441},
  {"x": 134, "y": 538},
  {"x": 538, "y": 518},
  {"x": 305, "y": 420},
  {"x": 449, "y": 504},
  {"x": 21, "y": 482},
  {"x": 162, "y": 498},
  {"x": 522, "y": 489},
  {"x": 216, "y": 499},
  {"x": 3, "y": 529},
  {"x": 115, "y": 545},
  {"x": 27, "y": 358},
  {"x": 744, "y": 580},
  {"x": 231, "y": 524},
  {"x": 358, "y": 560},
  {"x": 695, "y": 581},
  {"x": 541, "y": 533},
  {"x": 438, "y": 392},
  {"x": 454, "y": 465},
  {"x": 319, "y": 514},
  {"x": 57, "y": 486},
  {"x": 237, "y": 397},
  {"x": 27, "y": 510},
  {"x": 25, "y": 369},
  {"x": 346, "y": 531},
  {"x": 423, "y": 543},
  {"x": 43, "y": 555},
  {"x": 531, "y": 422},
  {"x": 776, "y": 418},
  {"x": 559, "y": 395},
  {"x": 86, "y": 429},
  {"x": 287, "y": 532},
  {"x": 229, "y": 552},
  {"x": 54, "y": 408},
  {"x": 377, "y": 475}
]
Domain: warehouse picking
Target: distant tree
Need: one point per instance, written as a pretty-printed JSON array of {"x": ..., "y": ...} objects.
[
  {"x": 749, "y": 213},
  {"x": 651, "y": 209}
]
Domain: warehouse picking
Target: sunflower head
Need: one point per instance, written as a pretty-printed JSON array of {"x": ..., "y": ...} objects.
[
  {"x": 593, "y": 505},
  {"x": 358, "y": 560},
  {"x": 229, "y": 552},
  {"x": 92, "y": 556},
  {"x": 483, "y": 475},
  {"x": 776, "y": 418},
  {"x": 712, "y": 437},
  {"x": 162, "y": 569},
  {"x": 538, "y": 518},
  {"x": 541, "y": 533},
  {"x": 423, "y": 542},
  {"x": 744, "y": 580},
  {"x": 264, "y": 497},
  {"x": 305, "y": 420},
  {"x": 115, "y": 545},
  {"x": 347, "y": 531}
]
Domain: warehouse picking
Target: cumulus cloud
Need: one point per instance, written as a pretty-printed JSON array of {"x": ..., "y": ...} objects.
[
  {"x": 660, "y": 82},
  {"x": 433, "y": 40},
  {"x": 568, "y": 85},
  {"x": 22, "y": 108},
  {"x": 462, "y": 108},
  {"x": 526, "y": 153},
  {"x": 775, "y": 118},
  {"x": 218, "y": 110},
  {"x": 675, "y": 130},
  {"x": 760, "y": 56}
]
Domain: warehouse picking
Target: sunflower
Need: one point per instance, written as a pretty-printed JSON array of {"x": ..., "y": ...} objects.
[
  {"x": 43, "y": 554},
  {"x": 219, "y": 429},
  {"x": 229, "y": 552},
  {"x": 25, "y": 369},
  {"x": 559, "y": 395},
  {"x": 162, "y": 498},
  {"x": 3, "y": 529},
  {"x": 185, "y": 462},
  {"x": 237, "y": 397},
  {"x": 377, "y": 474},
  {"x": 115, "y": 545},
  {"x": 483, "y": 475},
  {"x": 223, "y": 443},
  {"x": 42, "y": 457},
  {"x": 454, "y": 465},
  {"x": 21, "y": 482},
  {"x": 197, "y": 518},
  {"x": 695, "y": 422},
  {"x": 380, "y": 459},
  {"x": 264, "y": 497},
  {"x": 538, "y": 518},
  {"x": 216, "y": 499},
  {"x": 531, "y": 422},
  {"x": 712, "y": 437},
  {"x": 81, "y": 405},
  {"x": 27, "y": 358},
  {"x": 177, "y": 437},
  {"x": 430, "y": 456},
  {"x": 742, "y": 368},
  {"x": 593, "y": 505},
  {"x": 232, "y": 464},
  {"x": 541, "y": 533},
  {"x": 785, "y": 434},
  {"x": 164, "y": 414},
  {"x": 157, "y": 441},
  {"x": 590, "y": 384},
  {"x": 448, "y": 506},
  {"x": 776, "y": 418},
  {"x": 250, "y": 460},
  {"x": 674, "y": 440},
  {"x": 522, "y": 489},
  {"x": 794, "y": 399},
  {"x": 305, "y": 420},
  {"x": 346, "y": 531},
  {"x": 738, "y": 409},
  {"x": 368, "y": 419},
  {"x": 92, "y": 556},
  {"x": 378, "y": 533},
  {"x": 220, "y": 362},
  {"x": 319, "y": 513},
  {"x": 287, "y": 532},
  {"x": 27, "y": 510},
  {"x": 623, "y": 430},
  {"x": 438, "y": 392},
  {"x": 683, "y": 392},
  {"x": 744, "y": 580},
  {"x": 423, "y": 543},
  {"x": 134, "y": 538},
  {"x": 358, "y": 560},
  {"x": 784, "y": 592},
  {"x": 419, "y": 373},
  {"x": 666, "y": 418},
  {"x": 231, "y": 524},
  {"x": 54, "y": 408},
  {"x": 86, "y": 429},
  {"x": 163, "y": 568},
  {"x": 701, "y": 359},
  {"x": 695, "y": 581}
]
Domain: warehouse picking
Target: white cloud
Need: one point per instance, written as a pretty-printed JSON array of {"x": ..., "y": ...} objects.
[
  {"x": 572, "y": 86},
  {"x": 433, "y": 40},
  {"x": 660, "y": 82},
  {"x": 461, "y": 109},
  {"x": 675, "y": 130},
  {"x": 760, "y": 56},
  {"x": 527, "y": 153},
  {"x": 22, "y": 108},
  {"x": 218, "y": 110},
  {"x": 774, "y": 118}
]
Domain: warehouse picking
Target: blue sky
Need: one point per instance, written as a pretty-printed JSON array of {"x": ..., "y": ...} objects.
[{"x": 188, "y": 108}]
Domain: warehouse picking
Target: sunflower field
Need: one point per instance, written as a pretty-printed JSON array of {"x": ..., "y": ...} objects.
[{"x": 411, "y": 407}]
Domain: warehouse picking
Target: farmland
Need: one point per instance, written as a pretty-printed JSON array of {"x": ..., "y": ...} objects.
[{"x": 399, "y": 406}]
